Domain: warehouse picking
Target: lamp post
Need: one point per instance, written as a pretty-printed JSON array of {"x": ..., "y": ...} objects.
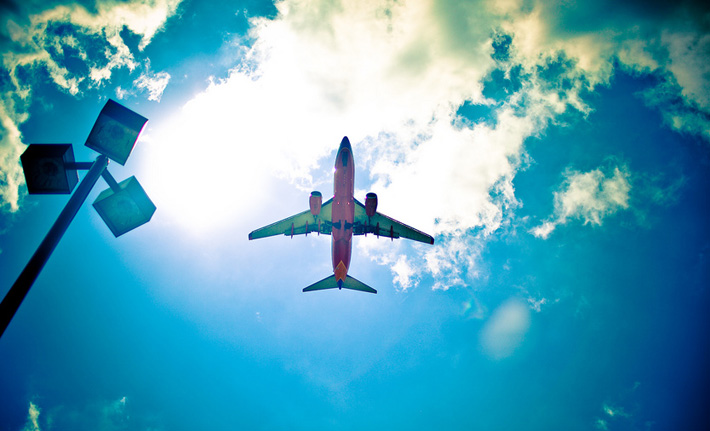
[{"x": 51, "y": 169}]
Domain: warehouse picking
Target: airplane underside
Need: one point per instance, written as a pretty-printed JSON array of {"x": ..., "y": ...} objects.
[{"x": 342, "y": 217}]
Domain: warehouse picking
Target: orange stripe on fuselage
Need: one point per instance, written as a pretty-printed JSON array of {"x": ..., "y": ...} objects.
[
  {"x": 343, "y": 210},
  {"x": 341, "y": 271}
]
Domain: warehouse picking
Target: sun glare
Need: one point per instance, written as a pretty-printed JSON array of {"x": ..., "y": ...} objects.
[{"x": 200, "y": 175}]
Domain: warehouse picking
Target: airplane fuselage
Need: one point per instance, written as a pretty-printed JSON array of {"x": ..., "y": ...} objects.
[
  {"x": 342, "y": 218},
  {"x": 343, "y": 213}
]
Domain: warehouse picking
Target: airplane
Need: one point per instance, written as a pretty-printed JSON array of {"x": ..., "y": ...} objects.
[{"x": 342, "y": 216}]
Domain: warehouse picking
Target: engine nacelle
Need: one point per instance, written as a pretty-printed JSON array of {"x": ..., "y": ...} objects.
[
  {"x": 315, "y": 201},
  {"x": 370, "y": 204}
]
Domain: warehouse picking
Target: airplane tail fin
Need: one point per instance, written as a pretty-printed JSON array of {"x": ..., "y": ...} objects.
[{"x": 349, "y": 283}]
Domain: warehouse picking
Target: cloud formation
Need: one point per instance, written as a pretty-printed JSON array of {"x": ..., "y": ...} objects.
[
  {"x": 32, "y": 418},
  {"x": 393, "y": 77},
  {"x": 360, "y": 70},
  {"x": 589, "y": 196},
  {"x": 102, "y": 415},
  {"x": 153, "y": 83},
  {"x": 77, "y": 49}
]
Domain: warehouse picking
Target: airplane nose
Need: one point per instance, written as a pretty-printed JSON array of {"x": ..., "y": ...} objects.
[{"x": 345, "y": 143}]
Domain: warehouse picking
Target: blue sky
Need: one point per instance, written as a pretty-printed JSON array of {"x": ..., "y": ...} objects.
[{"x": 557, "y": 151}]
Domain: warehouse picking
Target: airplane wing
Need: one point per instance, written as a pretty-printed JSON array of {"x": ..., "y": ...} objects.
[
  {"x": 299, "y": 224},
  {"x": 381, "y": 225}
]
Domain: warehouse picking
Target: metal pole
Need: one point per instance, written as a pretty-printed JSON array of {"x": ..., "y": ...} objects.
[
  {"x": 111, "y": 181},
  {"x": 24, "y": 282}
]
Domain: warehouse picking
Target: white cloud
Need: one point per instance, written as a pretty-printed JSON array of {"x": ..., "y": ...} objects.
[
  {"x": 544, "y": 230},
  {"x": 113, "y": 415},
  {"x": 589, "y": 196},
  {"x": 311, "y": 82},
  {"x": 675, "y": 46},
  {"x": 122, "y": 92},
  {"x": 613, "y": 411},
  {"x": 611, "y": 415},
  {"x": 148, "y": 82},
  {"x": 614, "y": 415},
  {"x": 679, "y": 54},
  {"x": 403, "y": 272},
  {"x": 11, "y": 147},
  {"x": 453, "y": 261},
  {"x": 391, "y": 78},
  {"x": 678, "y": 113},
  {"x": 536, "y": 304},
  {"x": 32, "y": 418},
  {"x": 592, "y": 195},
  {"x": 103, "y": 415},
  {"x": 153, "y": 83},
  {"x": 450, "y": 174},
  {"x": 601, "y": 424},
  {"x": 688, "y": 62},
  {"x": 505, "y": 329},
  {"x": 29, "y": 43},
  {"x": 388, "y": 253}
]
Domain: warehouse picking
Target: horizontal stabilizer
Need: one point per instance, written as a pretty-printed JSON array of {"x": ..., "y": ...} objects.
[{"x": 348, "y": 283}]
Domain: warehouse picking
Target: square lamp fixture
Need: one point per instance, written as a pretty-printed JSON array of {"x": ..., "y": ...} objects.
[
  {"x": 115, "y": 132},
  {"x": 126, "y": 209},
  {"x": 46, "y": 171}
]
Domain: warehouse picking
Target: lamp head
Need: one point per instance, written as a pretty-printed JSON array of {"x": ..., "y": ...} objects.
[
  {"x": 126, "y": 209},
  {"x": 46, "y": 171},
  {"x": 115, "y": 132}
]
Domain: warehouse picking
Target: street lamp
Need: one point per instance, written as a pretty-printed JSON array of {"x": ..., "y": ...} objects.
[
  {"x": 124, "y": 206},
  {"x": 51, "y": 169}
]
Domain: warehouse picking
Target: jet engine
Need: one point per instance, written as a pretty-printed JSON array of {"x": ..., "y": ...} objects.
[
  {"x": 315, "y": 202},
  {"x": 370, "y": 204}
]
